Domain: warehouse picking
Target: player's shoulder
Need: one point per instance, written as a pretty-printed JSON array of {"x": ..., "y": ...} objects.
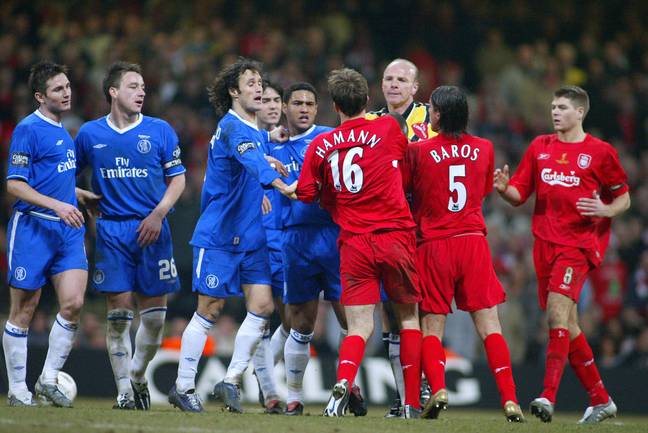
[
  {"x": 93, "y": 125},
  {"x": 155, "y": 122},
  {"x": 371, "y": 115},
  {"x": 599, "y": 144},
  {"x": 542, "y": 141},
  {"x": 321, "y": 129},
  {"x": 478, "y": 141}
]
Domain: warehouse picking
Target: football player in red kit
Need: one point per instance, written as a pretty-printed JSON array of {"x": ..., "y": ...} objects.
[
  {"x": 449, "y": 176},
  {"x": 579, "y": 185},
  {"x": 354, "y": 172}
]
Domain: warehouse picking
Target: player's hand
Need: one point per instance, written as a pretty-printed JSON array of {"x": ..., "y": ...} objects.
[
  {"x": 289, "y": 191},
  {"x": 149, "y": 230},
  {"x": 89, "y": 200},
  {"x": 279, "y": 134},
  {"x": 501, "y": 178},
  {"x": 266, "y": 205},
  {"x": 69, "y": 214},
  {"x": 593, "y": 207},
  {"x": 277, "y": 165}
]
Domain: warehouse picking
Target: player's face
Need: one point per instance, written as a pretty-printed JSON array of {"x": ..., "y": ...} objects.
[
  {"x": 564, "y": 115},
  {"x": 434, "y": 117},
  {"x": 301, "y": 110},
  {"x": 58, "y": 94},
  {"x": 270, "y": 113},
  {"x": 130, "y": 93},
  {"x": 250, "y": 91},
  {"x": 399, "y": 84}
]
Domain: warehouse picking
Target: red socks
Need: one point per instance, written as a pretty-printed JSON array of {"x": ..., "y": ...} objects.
[
  {"x": 499, "y": 361},
  {"x": 557, "y": 352},
  {"x": 434, "y": 362},
  {"x": 582, "y": 361},
  {"x": 351, "y": 353},
  {"x": 410, "y": 357}
]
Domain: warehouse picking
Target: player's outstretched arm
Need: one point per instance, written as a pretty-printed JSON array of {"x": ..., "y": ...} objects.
[
  {"x": 287, "y": 190},
  {"x": 594, "y": 207},
  {"x": 276, "y": 165},
  {"x": 150, "y": 227},
  {"x": 69, "y": 214},
  {"x": 508, "y": 192}
]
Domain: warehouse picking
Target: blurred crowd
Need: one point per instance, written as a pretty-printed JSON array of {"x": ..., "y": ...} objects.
[{"x": 509, "y": 55}]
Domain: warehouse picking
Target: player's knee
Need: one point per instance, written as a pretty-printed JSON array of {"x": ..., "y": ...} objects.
[
  {"x": 71, "y": 308},
  {"x": 119, "y": 321},
  {"x": 303, "y": 325}
]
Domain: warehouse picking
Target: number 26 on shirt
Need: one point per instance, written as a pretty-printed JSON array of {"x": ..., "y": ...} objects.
[{"x": 351, "y": 173}]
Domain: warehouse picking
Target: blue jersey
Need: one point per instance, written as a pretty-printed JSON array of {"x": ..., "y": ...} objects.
[
  {"x": 42, "y": 154},
  {"x": 271, "y": 220},
  {"x": 231, "y": 198},
  {"x": 129, "y": 165},
  {"x": 291, "y": 154}
]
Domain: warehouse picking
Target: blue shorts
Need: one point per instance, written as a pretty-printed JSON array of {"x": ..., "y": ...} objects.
[
  {"x": 220, "y": 273},
  {"x": 38, "y": 248},
  {"x": 312, "y": 264},
  {"x": 276, "y": 262},
  {"x": 121, "y": 265}
]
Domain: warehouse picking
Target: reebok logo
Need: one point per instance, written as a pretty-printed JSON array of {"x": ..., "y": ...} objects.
[
  {"x": 405, "y": 367},
  {"x": 346, "y": 361},
  {"x": 497, "y": 370}
]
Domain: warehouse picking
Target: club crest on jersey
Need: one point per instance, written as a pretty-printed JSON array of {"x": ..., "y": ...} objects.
[
  {"x": 98, "y": 277},
  {"x": 212, "y": 281},
  {"x": 20, "y": 273},
  {"x": 584, "y": 160},
  {"x": 420, "y": 129},
  {"x": 144, "y": 145},
  {"x": 563, "y": 159}
]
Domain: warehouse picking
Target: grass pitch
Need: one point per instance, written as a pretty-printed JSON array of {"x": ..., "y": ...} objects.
[{"x": 96, "y": 416}]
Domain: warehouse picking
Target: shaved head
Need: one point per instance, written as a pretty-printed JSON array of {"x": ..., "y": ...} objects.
[{"x": 399, "y": 84}]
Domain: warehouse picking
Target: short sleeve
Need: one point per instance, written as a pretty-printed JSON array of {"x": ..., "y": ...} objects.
[
  {"x": 171, "y": 161},
  {"x": 21, "y": 154},
  {"x": 80, "y": 149},
  {"x": 612, "y": 176},
  {"x": 524, "y": 178}
]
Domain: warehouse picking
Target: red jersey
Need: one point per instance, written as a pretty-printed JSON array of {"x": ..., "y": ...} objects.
[
  {"x": 560, "y": 173},
  {"x": 354, "y": 171},
  {"x": 449, "y": 178}
]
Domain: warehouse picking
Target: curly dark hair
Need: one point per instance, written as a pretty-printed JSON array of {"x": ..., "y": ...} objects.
[{"x": 227, "y": 79}]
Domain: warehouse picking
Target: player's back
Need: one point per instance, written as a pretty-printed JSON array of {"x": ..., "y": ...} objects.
[
  {"x": 358, "y": 167},
  {"x": 449, "y": 178}
]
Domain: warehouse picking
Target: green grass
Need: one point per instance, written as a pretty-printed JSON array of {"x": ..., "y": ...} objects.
[{"x": 96, "y": 416}]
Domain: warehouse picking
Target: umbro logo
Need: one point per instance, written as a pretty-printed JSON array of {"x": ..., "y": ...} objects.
[
  {"x": 58, "y": 143},
  {"x": 100, "y": 146}
]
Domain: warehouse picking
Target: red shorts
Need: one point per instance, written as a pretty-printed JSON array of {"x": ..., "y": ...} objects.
[
  {"x": 459, "y": 267},
  {"x": 560, "y": 269},
  {"x": 369, "y": 258}
]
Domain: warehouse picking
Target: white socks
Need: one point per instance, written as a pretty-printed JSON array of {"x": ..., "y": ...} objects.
[
  {"x": 119, "y": 347},
  {"x": 296, "y": 356},
  {"x": 14, "y": 344},
  {"x": 61, "y": 339},
  {"x": 247, "y": 339},
  {"x": 264, "y": 367},
  {"x": 147, "y": 341},
  {"x": 193, "y": 343},
  {"x": 277, "y": 343},
  {"x": 394, "y": 360}
]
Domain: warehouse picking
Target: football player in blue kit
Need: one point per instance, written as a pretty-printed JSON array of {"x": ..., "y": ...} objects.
[
  {"x": 230, "y": 247},
  {"x": 270, "y": 350},
  {"x": 45, "y": 240},
  {"x": 310, "y": 254},
  {"x": 136, "y": 168}
]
